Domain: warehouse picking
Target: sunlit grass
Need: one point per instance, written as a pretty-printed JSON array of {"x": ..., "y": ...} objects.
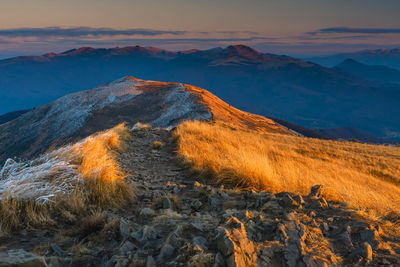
[{"x": 365, "y": 176}]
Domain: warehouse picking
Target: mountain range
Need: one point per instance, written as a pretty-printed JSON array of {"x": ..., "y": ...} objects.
[
  {"x": 378, "y": 73},
  {"x": 386, "y": 57},
  {"x": 294, "y": 90}
]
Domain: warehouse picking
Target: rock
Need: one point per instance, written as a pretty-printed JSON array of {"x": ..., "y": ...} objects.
[
  {"x": 325, "y": 227},
  {"x": 144, "y": 234},
  {"x": 286, "y": 201},
  {"x": 150, "y": 262},
  {"x": 370, "y": 236},
  {"x": 357, "y": 226},
  {"x": 57, "y": 250},
  {"x": 19, "y": 257},
  {"x": 315, "y": 191},
  {"x": 147, "y": 212},
  {"x": 174, "y": 237},
  {"x": 126, "y": 248},
  {"x": 167, "y": 203},
  {"x": 219, "y": 260},
  {"x": 54, "y": 262},
  {"x": 238, "y": 249},
  {"x": 121, "y": 262},
  {"x": 366, "y": 251},
  {"x": 234, "y": 222},
  {"x": 299, "y": 199},
  {"x": 215, "y": 202},
  {"x": 317, "y": 203},
  {"x": 166, "y": 251},
  {"x": 124, "y": 228},
  {"x": 345, "y": 239},
  {"x": 200, "y": 241},
  {"x": 311, "y": 261},
  {"x": 293, "y": 236},
  {"x": 196, "y": 205},
  {"x": 224, "y": 243}
]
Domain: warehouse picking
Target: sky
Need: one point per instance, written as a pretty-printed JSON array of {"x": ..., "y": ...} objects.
[{"x": 300, "y": 28}]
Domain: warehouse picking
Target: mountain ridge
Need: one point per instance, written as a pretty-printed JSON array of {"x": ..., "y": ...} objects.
[
  {"x": 386, "y": 57},
  {"x": 131, "y": 100},
  {"x": 378, "y": 73}
]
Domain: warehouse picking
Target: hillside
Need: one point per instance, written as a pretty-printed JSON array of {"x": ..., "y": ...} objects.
[
  {"x": 264, "y": 84},
  {"x": 129, "y": 100}
]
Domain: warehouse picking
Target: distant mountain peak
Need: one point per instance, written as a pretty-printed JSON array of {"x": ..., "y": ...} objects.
[{"x": 79, "y": 51}]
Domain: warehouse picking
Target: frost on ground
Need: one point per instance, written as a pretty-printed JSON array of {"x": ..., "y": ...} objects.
[
  {"x": 52, "y": 173},
  {"x": 182, "y": 106},
  {"x": 70, "y": 112},
  {"x": 42, "y": 178}
]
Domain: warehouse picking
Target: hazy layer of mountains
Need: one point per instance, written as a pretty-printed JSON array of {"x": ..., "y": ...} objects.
[
  {"x": 386, "y": 57},
  {"x": 301, "y": 92},
  {"x": 378, "y": 73}
]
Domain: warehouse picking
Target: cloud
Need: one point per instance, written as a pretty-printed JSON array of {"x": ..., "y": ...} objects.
[
  {"x": 356, "y": 30},
  {"x": 81, "y": 32}
]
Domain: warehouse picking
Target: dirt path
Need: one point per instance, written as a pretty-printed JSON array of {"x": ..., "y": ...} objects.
[{"x": 154, "y": 172}]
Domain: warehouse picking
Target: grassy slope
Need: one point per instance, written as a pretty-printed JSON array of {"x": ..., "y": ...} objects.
[
  {"x": 365, "y": 176},
  {"x": 103, "y": 185}
]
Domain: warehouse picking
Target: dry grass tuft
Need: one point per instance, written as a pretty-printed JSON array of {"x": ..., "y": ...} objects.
[
  {"x": 91, "y": 224},
  {"x": 157, "y": 145},
  {"x": 364, "y": 176},
  {"x": 19, "y": 212}
]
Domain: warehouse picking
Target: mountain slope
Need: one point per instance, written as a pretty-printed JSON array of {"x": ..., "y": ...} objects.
[
  {"x": 377, "y": 73},
  {"x": 349, "y": 133},
  {"x": 130, "y": 100},
  {"x": 297, "y": 91}
]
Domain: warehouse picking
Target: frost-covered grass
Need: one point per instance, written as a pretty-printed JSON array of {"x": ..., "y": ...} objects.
[{"x": 65, "y": 182}]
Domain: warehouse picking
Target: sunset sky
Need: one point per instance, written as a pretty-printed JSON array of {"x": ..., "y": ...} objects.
[{"x": 293, "y": 27}]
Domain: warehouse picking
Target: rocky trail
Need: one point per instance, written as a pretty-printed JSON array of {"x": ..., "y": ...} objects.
[{"x": 177, "y": 220}]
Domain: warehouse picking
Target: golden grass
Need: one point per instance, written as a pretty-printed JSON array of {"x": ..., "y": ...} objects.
[
  {"x": 157, "y": 145},
  {"x": 103, "y": 184},
  {"x": 365, "y": 176},
  {"x": 97, "y": 155}
]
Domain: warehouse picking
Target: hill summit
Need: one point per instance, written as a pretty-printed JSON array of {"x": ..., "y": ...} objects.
[{"x": 130, "y": 100}]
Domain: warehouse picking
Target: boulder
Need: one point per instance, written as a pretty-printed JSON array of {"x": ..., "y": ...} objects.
[
  {"x": 370, "y": 236},
  {"x": 167, "y": 203},
  {"x": 124, "y": 228},
  {"x": 236, "y": 247},
  {"x": 315, "y": 191}
]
